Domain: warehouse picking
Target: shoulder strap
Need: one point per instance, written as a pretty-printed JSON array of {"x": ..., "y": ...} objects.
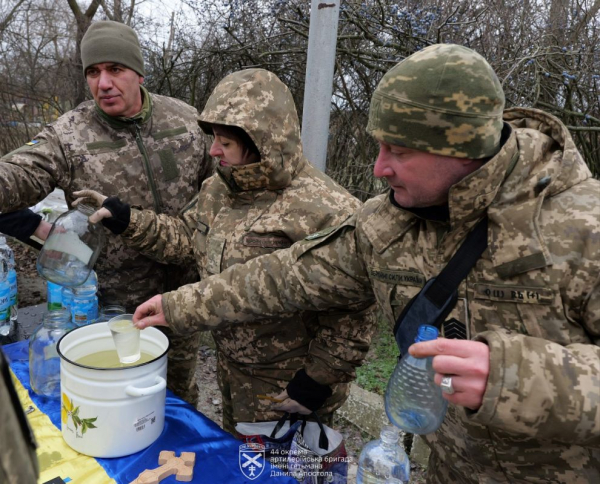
[
  {"x": 439, "y": 295},
  {"x": 459, "y": 266}
]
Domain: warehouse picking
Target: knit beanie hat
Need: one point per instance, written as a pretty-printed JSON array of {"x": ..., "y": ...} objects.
[
  {"x": 444, "y": 99},
  {"x": 108, "y": 41}
]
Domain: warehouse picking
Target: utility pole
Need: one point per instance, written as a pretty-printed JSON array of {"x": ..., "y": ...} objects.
[{"x": 322, "y": 37}]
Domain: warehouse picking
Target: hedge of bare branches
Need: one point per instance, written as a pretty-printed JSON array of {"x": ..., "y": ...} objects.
[{"x": 545, "y": 53}]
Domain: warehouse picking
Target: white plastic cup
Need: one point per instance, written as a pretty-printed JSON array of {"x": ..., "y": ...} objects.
[{"x": 126, "y": 337}]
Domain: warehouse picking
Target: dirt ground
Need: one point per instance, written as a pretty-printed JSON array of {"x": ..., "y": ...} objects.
[{"x": 32, "y": 291}]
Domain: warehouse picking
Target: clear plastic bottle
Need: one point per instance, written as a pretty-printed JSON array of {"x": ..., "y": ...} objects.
[
  {"x": 413, "y": 402},
  {"x": 84, "y": 306},
  {"x": 383, "y": 460},
  {"x": 67, "y": 298},
  {"x": 9, "y": 256},
  {"x": 71, "y": 249},
  {"x": 6, "y": 325},
  {"x": 44, "y": 362},
  {"x": 55, "y": 299}
]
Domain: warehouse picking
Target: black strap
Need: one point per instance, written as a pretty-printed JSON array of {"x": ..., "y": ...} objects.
[
  {"x": 293, "y": 418},
  {"x": 323, "y": 439},
  {"x": 280, "y": 423},
  {"x": 439, "y": 295},
  {"x": 459, "y": 266}
]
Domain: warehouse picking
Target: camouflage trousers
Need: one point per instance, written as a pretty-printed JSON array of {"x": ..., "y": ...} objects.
[{"x": 181, "y": 365}]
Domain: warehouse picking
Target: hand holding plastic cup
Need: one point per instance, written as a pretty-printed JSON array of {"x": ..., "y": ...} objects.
[{"x": 126, "y": 337}]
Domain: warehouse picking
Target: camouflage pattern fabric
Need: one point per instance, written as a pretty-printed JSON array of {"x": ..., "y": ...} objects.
[
  {"x": 247, "y": 211},
  {"x": 156, "y": 160},
  {"x": 444, "y": 99},
  {"x": 18, "y": 459},
  {"x": 534, "y": 297}
]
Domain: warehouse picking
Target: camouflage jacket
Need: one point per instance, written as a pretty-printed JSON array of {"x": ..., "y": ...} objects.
[
  {"x": 247, "y": 211},
  {"x": 155, "y": 160},
  {"x": 534, "y": 297}
]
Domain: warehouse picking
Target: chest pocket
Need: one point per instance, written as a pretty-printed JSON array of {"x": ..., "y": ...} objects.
[{"x": 399, "y": 297}]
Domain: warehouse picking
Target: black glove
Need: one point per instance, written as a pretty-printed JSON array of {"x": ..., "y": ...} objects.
[
  {"x": 20, "y": 224},
  {"x": 121, "y": 215},
  {"x": 307, "y": 391}
]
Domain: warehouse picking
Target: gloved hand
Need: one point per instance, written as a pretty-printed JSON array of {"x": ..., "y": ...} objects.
[
  {"x": 305, "y": 392},
  {"x": 113, "y": 213},
  {"x": 21, "y": 224}
]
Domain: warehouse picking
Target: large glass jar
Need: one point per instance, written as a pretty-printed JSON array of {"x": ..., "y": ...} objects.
[
  {"x": 71, "y": 249},
  {"x": 44, "y": 362}
]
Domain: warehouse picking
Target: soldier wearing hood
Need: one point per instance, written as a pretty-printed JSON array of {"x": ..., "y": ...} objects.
[
  {"x": 526, "y": 401},
  {"x": 264, "y": 197}
]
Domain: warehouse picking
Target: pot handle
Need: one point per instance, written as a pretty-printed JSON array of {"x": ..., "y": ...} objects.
[{"x": 161, "y": 384}]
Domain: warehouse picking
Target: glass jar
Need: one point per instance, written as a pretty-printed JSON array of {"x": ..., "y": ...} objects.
[
  {"x": 44, "y": 362},
  {"x": 110, "y": 311},
  {"x": 71, "y": 249}
]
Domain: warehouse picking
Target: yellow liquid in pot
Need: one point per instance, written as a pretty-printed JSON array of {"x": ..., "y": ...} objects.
[{"x": 110, "y": 359}]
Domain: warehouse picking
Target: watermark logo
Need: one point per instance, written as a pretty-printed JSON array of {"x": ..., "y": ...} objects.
[{"x": 252, "y": 460}]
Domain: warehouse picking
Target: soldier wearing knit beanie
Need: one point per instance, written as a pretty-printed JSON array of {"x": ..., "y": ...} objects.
[{"x": 108, "y": 41}]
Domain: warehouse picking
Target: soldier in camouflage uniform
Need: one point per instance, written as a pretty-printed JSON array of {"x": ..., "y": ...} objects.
[
  {"x": 18, "y": 460},
  {"x": 265, "y": 204},
  {"x": 526, "y": 406},
  {"x": 145, "y": 147}
]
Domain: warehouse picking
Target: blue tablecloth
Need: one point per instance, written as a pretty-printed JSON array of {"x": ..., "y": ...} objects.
[{"x": 186, "y": 429}]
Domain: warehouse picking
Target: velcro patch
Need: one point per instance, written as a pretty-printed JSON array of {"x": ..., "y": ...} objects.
[
  {"x": 405, "y": 278},
  {"x": 516, "y": 294},
  {"x": 202, "y": 227},
  {"x": 321, "y": 233},
  {"x": 267, "y": 241},
  {"x": 454, "y": 329}
]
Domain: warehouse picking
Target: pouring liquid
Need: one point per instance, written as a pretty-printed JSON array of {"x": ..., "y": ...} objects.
[{"x": 110, "y": 359}]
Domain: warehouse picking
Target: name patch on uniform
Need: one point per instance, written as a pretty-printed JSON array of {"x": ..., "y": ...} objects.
[
  {"x": 405, "y": 278},
  {"x": 516, "y": 294},
  {"x": 268, "y": 241}
]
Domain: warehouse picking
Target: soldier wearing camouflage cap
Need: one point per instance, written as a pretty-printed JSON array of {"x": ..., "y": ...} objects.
[
  {"x": 264, "y": 197},
  {"x": 526, "y": 402},
  {"x": 146, "y": 147}
]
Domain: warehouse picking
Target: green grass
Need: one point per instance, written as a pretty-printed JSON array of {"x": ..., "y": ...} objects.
[{"x": 380, "y": 362}]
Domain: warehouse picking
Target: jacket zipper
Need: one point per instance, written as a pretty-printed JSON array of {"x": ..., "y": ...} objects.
[{"x": 142, "y": 148}]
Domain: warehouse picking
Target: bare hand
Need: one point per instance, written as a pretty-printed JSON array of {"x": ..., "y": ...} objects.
[
  {"x": 95, "y": 199},
  {"x": 150, "y": 313},
  {"x": 43, "y": 229},
  {"x": 467, "y": 362},
  {"x": 289, "y": 405}
]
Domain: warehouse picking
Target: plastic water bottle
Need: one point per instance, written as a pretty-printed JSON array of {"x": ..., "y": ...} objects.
[
  {"x": 84, "y": 307},
  {"x": 66, "y": 298},
  {"x": 9, "y": 256},
  {"x": 6, "y": 324},
  {"x": 54, "y": 296},
  {"x": 383, "y": 460},
  {"x": 413, "y": 402}
]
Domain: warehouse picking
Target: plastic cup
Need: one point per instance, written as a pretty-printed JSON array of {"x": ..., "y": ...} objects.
[{"x": 126, "y": 337}]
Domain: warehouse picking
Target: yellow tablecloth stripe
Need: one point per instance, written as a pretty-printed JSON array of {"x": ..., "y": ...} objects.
[{"x": 55, "y": 457}]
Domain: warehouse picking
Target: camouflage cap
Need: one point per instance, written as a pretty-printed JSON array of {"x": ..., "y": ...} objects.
[{"x": 444, "y": 99}]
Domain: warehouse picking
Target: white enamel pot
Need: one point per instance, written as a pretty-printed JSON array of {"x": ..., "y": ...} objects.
[{"x": 111, "y": 412}]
